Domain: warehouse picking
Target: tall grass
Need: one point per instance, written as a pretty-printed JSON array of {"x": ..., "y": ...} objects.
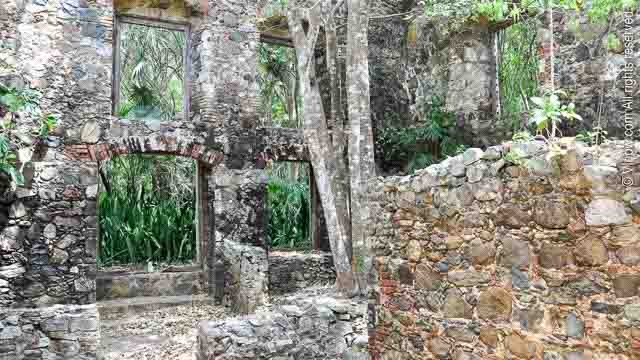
[
  {"x": 149, "y": 212},
  {"x": 518, "y": 71},
  {"x": 288, "y": 204}
]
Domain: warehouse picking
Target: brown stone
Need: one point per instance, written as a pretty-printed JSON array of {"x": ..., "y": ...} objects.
[
  {"x": 627, "y": 285},
  {"x": 455, "y": 306},
  {"x": 512, "y": 216},
  {"x": 460, "y": 333},
  {"x": 439, "y": 347},
  {"x": 628, "y": 235},
  {"x": 521, "y": 347},
  {"x": 482, "y": 254},
  {"x": 495, "y": 304},
  {"x": 468, "y": 278},
  {"x": 591, "y": 252},
  {"x": 426, "y": 278},
  {"x": 551, "y": 213},
  {"x": 629, "y": 255},
  {"x": 554, "y": 256},
  {"x": 489, "y": 336}
]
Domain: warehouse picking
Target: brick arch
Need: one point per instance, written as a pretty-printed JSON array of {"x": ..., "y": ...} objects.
[{"x": 160, "y": 144}]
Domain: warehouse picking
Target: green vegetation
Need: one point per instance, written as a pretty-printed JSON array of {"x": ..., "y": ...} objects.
[
  {"x": 549, "y": 111},
  {"x": 15, "y": 142},
  {"x": 423, "y": 145},
  {"x": 147, "y": 210},
  {"x": 593, "y": 138},
  {"x": 518, "y": 71},
  {"x": 288, "y": 204},
  {"x": 151, "y": 72},
  {"x": 288, "y": 185},
  {"x": 277, "y": 77},
  {"x": 500, "y": 10}
]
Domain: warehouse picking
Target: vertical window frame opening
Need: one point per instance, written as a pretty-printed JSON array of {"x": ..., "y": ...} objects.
[{"x": 170, "y": 25}]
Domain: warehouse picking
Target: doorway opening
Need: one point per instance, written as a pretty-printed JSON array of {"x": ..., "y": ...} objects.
[{"x": 148, "y": 218}]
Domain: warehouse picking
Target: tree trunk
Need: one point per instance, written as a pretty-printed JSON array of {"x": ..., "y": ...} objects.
[
  {"x": 361, "y": 157},
  {"x": 325, "y": 160}
]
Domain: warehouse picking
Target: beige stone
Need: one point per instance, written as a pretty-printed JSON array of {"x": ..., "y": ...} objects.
[
  {"x": 521, "y": 346},
  {"x": 495, "y": 304},
  {"x": 591, "y": 252},
  {"x": 426, "y": 278},
  {"x": 489, "y": 336}
]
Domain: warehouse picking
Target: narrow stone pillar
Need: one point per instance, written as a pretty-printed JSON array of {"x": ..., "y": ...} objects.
[{"x": 471, "y": 92}]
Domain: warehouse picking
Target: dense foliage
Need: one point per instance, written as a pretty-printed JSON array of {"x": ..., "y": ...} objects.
[
  {"x": 151, "y": 72},
  {"x": 288, "y": 203},
  {"x": 277, "y": 78},
  {"x": 147, "y": 211},
  {"x": 518, "y": 71},
  {"x": 423, "y": 145}
]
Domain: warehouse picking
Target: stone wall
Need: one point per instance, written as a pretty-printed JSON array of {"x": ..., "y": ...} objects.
[
  {"x": 590, "y": 68},
  {"x": 477, "y": 258},
  {"x": 290, "y": 271},
  {"x": 304, "y": 329},
  {"x": 58, "y": 332}
]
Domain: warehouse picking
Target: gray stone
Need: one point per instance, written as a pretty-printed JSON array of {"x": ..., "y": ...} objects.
[
  {"x": 476, "y": 172},
  {"x": 514, "y": 252},
  {"x": 49, "y": 231},
  {"x": 67, "y": 241},
  {"x": 11, "y": 271},
  {"x": 603, "y": 212},
  {"x": 456, "y": 167},
  {"x": 575, "y": 326},
  {"x": 17, "y": 210},
  {"x": 49, "y": 173},
  {"x": 493, "y": 153},
  {"x": 92, "y": 191},
  {"x": 11, "y": 238},
  {"x": 632, "y": 312},
  {"x": 496, "y": 167},
  {"x": 519, "y": 279},
  {"x": 59, "y": 256},
  {"x": 600, "y": 177},
  {"x": 47, "y": 194},
  {"x": 471, "y": 156}
]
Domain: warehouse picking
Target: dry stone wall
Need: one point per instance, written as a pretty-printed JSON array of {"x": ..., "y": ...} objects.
[
  {"x": 48, "y": 236},
  {"x": 58, "y": 332},
  {"x": 477, "y": 258},
  {"x": 300, "y": 329},
  {"x": 291, "y": 271}
]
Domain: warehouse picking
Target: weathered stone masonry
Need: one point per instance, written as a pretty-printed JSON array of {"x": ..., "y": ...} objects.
[
  {"x": 480, "y": 259},
  {"x": 48, "y": 229}
]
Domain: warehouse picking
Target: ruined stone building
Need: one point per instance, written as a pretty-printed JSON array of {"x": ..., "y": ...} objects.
[{"x": 48, "y": 227}]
